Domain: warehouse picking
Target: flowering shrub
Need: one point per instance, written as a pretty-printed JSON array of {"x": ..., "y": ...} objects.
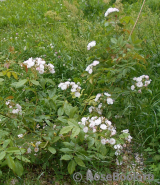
[{"x": 46, "y": 124}]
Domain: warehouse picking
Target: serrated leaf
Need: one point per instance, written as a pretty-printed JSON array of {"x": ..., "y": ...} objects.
[
  {"x": 52, "y": 150},
  {"x": 66, "y": 157},
  {"x": 21, "y": 83},
  {"x": 79, "y": 161},
  {"x": 35, "y": 82},
  {"x": 15, "y": 75},
  {"x": 9, "y": 74},
  {"x": 18, "y": 168},
  {"x": 90, "y": 142},
  {"x": 66, "y": 129},
  {"x": 22, "y": 158},
  {"x": 6, "y": 143},
  {"x": 11, "y": 163},
  {"x": 60, "y": 111},
  {"x": 114, "y": 40},
  {"x": 71, "y": 167},
  {"x": 55, "y": 139},
  {"x": 75, "y": 132}
]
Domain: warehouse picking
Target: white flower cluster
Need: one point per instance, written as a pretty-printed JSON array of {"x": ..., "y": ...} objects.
[
  {"x": 91, "y": 44},
  {"x": 97, "y": 123},
  {"x": 75, "y": 88},
  {"x": 109, "y": 100},
  {"x": 89, "y": 68},
  {"x": 96, "y": 109},
  {"x": 128, "y": 138},
  {"x": 18, "y": 109},
  {"x": 142, "y": 81},
  {"x": 118, "y": 149},
  {"x": 110, "y": 10},
  {"x": 39, "y": 64}
]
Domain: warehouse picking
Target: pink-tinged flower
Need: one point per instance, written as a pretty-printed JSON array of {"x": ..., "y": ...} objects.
[
  {"x": 85, "y": 129},
  {"x": 112, "y": 141},
  {"x": 29, "y": 150},
  {"x": 36, "y": 149},
  {"x": 103, "y": 141},
  {"x": 95, "y": 63},
  {"x": 103, "y": 126},
  {"x": 139, "y": 84}
]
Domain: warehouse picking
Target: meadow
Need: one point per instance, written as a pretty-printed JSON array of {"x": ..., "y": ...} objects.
[{"x": 79, "y": 91}]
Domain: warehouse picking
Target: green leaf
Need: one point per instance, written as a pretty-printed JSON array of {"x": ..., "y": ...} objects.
[
  {"x": 66, "y": 157},
  {"x": 35, "y": 82},
  {"x": 103, "y": 150},
  {"x": 10, "y": 163},
  {"x": 15, "y": 150},
  {"x": 81, "y": 135},
  {"x": 6, "y": 143},
  {"x": 114, "y": 40},
  {"x": 60, "y": 111},
  {"x": 66, "y": 150},
  {"x": 18, "y": 168},
  {"x": 90, "y": 142},
  {"x": 1, "y": 79},
  {"x": 79, "y": 161},
  {"x": 0, "y": 173},
  {"x": 75, "y": 132},
  {"x": 2, "y": 155},
  {"x": 21, "y": 83},
  {"x": 71, "y": 167},
  {"x": 55, "y": 139},
  {"x": 43, "y": 82},
  {"x": 66, "y": 129},
  {"x": 52, "y": 150},
  {"x": 72, "y": 122},
  {"x": 22, "y": 158}
]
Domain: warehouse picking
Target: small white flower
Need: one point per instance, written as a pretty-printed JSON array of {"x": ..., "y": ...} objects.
[
  {"x": 95, "y": 63},
  {"x": 107, "y": 94},
  {"x": 94, "y": 129},
  {"x": 77, "y": 94},
  {"x": 139, "y": 84},
  {"x": 91, "y": 44},
  {"x": 112, "y": 141},
  {"x": 98, "y": 121},
  {"x": 147, "y": 83},
  {"x": 90, "y": 109},
  {"x": 29, "y": 150},
  {"x": 15, "y": 111},
  {"x": 85, "y": 129},
  {"x": 109, "y": 100},
  {"x": 103, "y": 126},
  {"x": 139, "y": 91},
  {"x": 92, "y": 124},
  {"x": 103, "y": 141},
  {"x": 125, "y": 131},
  {"x": 97, "y": 97},
  {"x": 139, "y": 79},
  {"x": 110, "y": 10},
  {"x": 132, "y": 87},
  {"x": 8, "y": 102},
  {"x": 36, "y": 149},
  {"x": 108, "y": 122},
  {"x": 20, "y": 135}
]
